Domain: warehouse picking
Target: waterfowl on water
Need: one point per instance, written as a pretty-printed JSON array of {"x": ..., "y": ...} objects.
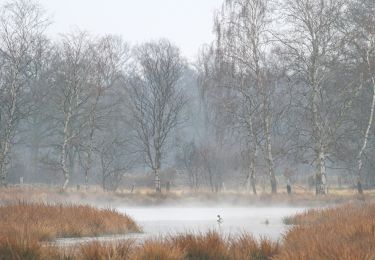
[{"x": 219, "y": 219}]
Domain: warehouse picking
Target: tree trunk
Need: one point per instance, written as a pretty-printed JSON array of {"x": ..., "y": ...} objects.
[
  {"x": 3, "y": 159},
  {"x": 270, "y": 157},
  {"x": 8, "y": 135},
  {"x": 365, "y": 140},
  {"x": 88, "y": 167},
  {"x": 250, "y": 180},
  {"x": 157, "y": 180},
  {"x": 2, "y": 172},
  {"x": 321, "y": 178},
  {"x": 66, "y": 182},
  {"x": 64, "y": 152}
]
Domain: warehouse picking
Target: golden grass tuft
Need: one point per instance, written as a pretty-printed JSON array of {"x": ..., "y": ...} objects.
[
  {"x": 43, "y": 222},
  {"x": 247, "y": 247},
  {"x": 346, "y": 232},
  {"x": 98, "y": 251},
  {"x": 157, "y": 250},
  {"x": 203, "y": 246}
]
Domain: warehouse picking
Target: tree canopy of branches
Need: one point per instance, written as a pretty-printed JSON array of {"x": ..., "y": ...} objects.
[{"x": 155, "y": 100}]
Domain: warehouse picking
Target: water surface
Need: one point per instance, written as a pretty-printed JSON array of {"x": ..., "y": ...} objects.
[
  {"x": 158, "y": 222},
  {"x": 161, "y": 221}
]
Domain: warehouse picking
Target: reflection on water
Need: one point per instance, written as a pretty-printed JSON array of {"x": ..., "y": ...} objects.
[{"x": 160, "y": 221}]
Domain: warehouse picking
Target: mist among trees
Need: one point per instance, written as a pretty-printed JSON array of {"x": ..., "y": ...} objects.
[{"x": 284, "y": 94}]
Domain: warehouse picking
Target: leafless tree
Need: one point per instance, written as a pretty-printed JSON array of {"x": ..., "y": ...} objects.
[
  {"x": 22, "y": 26},
  {"x": 155, "y": 100},
  {"x": 190, "y": 160},
  {"x": 314, "y": 50},
  {"x": 72, "y": 89},
  {"x": 360, "y": 26},
  {"x": 109, "y": 56},
  {"x": 114, "y": 160},
  {"x": 242, "y": 43}
]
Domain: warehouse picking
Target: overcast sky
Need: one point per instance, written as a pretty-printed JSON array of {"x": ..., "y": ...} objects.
[{"x": 187, "y": 23}]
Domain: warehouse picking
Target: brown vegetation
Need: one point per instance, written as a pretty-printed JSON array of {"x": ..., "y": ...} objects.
[
  {"x": 210, "y": 246},
  {"x": 346, "y": 232},
  {"x": 143, "y": 196},
  {"x": 41, "y": 222}
]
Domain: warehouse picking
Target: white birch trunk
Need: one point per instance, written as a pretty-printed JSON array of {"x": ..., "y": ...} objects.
[
  {"x": 63, "y": 162},
  {"x": 269, "y": 155},
  {"x": 157, "y": 180},
  {"x": 320, "y": 154},
  {"x": 365, "y": 140},
  {"x": 321, "y": 179}
]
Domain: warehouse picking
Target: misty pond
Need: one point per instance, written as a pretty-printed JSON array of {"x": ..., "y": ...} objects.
[{"x": 157, "y": 222}]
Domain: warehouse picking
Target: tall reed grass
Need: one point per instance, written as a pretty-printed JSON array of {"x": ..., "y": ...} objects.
[
  {"x": 344, "y": 233},
  {"x": 42, "y": 222}
]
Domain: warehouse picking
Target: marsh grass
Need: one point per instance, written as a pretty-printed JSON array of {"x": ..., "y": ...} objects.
[
  {"x": 343, "y": 232},
  {"x": 145, "y": 196},
  {"x": 346, "y": 232},
  {"x": 44, "y": 222}
]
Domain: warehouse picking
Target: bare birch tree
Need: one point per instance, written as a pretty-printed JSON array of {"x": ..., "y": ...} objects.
[
  {"x": 242, "y": 41},
  {"x": 73, "y": 69},
  {"x": 361, "y": 28},
  {"x": 156, "y": 101},
  {"x": 109, "y": 55},
  {"x": 22, "y": 26},
  {"x": 314, "y": 49}
]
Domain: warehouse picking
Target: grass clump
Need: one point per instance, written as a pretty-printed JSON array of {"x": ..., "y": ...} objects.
[
  {"x": 43, "y": 222},
  {"x": 346, "y": 232}
]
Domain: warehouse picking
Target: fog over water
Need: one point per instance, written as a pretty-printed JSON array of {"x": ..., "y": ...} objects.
[
  {"x": 236, "y": 220},
  {"x": 158, "y": 222}
]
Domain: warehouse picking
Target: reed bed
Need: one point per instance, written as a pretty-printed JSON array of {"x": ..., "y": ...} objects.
[
  {"x": 43, "y": 222},
  {"x": 147, "y": 197},
  {"x": 209, "y": 246},
  {"x": 346, "y": 232}
]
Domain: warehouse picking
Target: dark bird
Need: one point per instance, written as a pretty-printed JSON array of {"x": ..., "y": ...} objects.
[{"x": 219, "y": 219}]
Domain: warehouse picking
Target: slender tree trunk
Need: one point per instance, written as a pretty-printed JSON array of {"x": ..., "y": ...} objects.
[
  {"x": 88, "y": 166},
  {"x": 3, "y": 173},
  {"x": 250, "y": 180},
  {"x": 3, "y": 162},
  {"x": 196, "y": 182},
  {"x": 270, "y": 157},
  {"x": 320, "y": 153},
  {"x": 266, "y": 117},
  {"x": 64, "y": 151},
  {"x": 365, "y": 140},
  {"x": 267, "y": 132},
  {"x": 92, "y": 132},
  {"x": 157, "y": 180},
  {"x": 321, "y": 178},
  {"x": 252, "y": 176}
]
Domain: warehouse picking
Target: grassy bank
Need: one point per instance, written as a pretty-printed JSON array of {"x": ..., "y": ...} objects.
[
  {"x": 147, "y": 197},
  {"x": 346, "y": 232},
  {"x": 43, "y": 222},
  {"x": 183, "y": 247},
  {"x": 23, "y": 226}
]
